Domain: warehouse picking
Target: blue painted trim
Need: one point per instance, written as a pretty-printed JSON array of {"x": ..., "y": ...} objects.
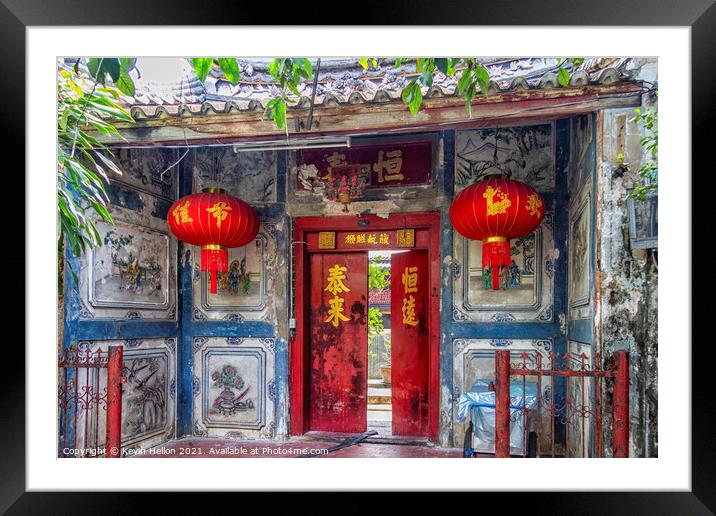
[
  {"x": 184, "y": 395},
  {"x": 107, "y": 330},
  {"x": 504, "y": 331},
  {"x": 581, "y": 330}
]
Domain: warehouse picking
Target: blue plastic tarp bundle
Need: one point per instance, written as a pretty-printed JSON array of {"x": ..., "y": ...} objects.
[{"x": 479, "y": 403}]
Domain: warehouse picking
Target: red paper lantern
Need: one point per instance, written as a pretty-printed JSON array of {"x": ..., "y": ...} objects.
[
  {"x": 213, "y": 220},
  {"x": 495, "y": 210}
]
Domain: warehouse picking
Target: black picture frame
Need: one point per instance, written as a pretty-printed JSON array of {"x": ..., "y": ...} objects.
[{"x": 700, "y": 15}]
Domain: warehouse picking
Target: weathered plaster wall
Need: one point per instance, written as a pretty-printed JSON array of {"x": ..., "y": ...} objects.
[
  {"x": 126, "y": 293},
  {"x": 627, "y": 315}
]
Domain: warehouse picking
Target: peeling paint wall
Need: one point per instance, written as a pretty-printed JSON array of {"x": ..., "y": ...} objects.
[{"x": 627, "y": 315}]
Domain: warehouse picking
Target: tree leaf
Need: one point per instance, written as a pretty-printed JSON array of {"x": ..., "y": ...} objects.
[
  {"x": 363, "y": 61},
  {"x": 483, "y": 78},
  {"x": 230, "y": 67},
  {"x": 93, "y": 66},
  {"x": 202, "y": 66},
  {"x": 124, "y": 83},
  {"x": 127, "y": 63},
  {"x": 563, "y": 77},
  {"x": 441, "y": 63},
  {"x": 413, "y": 97},
  {"x": 112, "y": 67}
]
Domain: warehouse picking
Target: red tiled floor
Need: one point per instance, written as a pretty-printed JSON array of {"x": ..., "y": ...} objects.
[{"x": 208, "y": 448}]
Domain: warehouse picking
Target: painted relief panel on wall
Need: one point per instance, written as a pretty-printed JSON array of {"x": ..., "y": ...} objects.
[
  {"x": 582, "y": 154},
  {"x": 149, "y": 171},
  {"x": 132, "y": 275},
  {"x": 233, "y": 387},
  {"x": 250, "y": 176},
  {"x": 579, "y": 438},
  {"x": 523, "y": 153},
  {"x": 580, "y": 252},
  {"x": 242, "y": 292},
  {"x": 474, "y": 360},
  {"x": 148, "y": 394},
  {"x": 527, "y": 284}
]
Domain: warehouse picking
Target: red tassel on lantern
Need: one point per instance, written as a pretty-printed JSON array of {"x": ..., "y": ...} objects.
[
  {"x": 496, "y": 254},
  {"x": 214, "y": 258}
]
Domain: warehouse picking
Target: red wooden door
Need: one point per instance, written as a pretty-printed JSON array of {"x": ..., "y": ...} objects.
[
  {"x": 409, "y": 341},
  {"x": 339, "y": 342}
]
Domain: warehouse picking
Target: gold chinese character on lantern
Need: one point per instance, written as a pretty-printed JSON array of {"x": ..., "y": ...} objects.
[
  {"x": 350, "y": 239},
  {"x": 220, "y": 210},
  {"x": 181, "y": 213},
  {"x": 384, "y": 239},
  {"x": 388, "y": 169},
  {"x": 372, "y": 239},
  {"x": 360, "y": 238},
  {"x": 534, "y": 203}
]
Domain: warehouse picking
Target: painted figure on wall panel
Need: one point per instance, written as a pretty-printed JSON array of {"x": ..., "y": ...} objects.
[
  {"x": 131, "y": 266},
  {"x": 232, "y": 389},
  {"x": 517, "y": 282},
  {"x": 241, "y": 285},
  {"x": 143, "y": 398},
  {"x": 579, "y": 260},
  {"x": 522, "y": 153},
  {"x": 232, "y": 397}
]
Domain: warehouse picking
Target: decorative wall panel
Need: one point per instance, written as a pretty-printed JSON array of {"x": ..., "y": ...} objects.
[
  {"x": 474, "y": 359},
  {"x": 148, "y": 171},
  {"x": 243, "y": 292},
  {"x": 581, "y": 209},
  {"x": 523, "y": 153},
  {"x": 581, "y": 393},
  {"x": 582, "y": 154},
  {"x": 529, "y": 294},
  {"x": 133, "y": 274},
  {"x": 148, "y": 395},
  {"x": 580, "y": 252},
  {"x": 250, "y": 176},
  {"x": 234, "y": 387}
]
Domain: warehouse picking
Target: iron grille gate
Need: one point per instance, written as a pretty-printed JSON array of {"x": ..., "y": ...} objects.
[
  {"x": 82, "y": 400},
  {"x": 579, "y": 412}
]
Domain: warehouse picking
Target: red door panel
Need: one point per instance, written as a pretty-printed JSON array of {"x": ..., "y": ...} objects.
[
  {"x": 409, "y": 338},
  {"x": 339, "y": 342}
]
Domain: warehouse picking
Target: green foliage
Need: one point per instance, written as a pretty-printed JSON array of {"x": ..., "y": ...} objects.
[
  {"x": 202, "y": 66},
  {"x": 115, "y": 68},
  {"x": 289, "y": 72},
  {"x": 378, "y": 277},
  {"x": 648, "y": 171},
  {"x": 563, "y": 73},
  {"x": 375, "y": 320},
  {"x": 86, "y": 106}
]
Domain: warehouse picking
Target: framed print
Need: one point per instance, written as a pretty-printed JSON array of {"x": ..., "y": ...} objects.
[{"x": 257, "y": 254}]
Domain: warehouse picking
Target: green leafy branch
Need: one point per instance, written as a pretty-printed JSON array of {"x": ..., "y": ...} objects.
[
  {"x": 85, "y": 106},
  {"x": 648, "y": 171}
]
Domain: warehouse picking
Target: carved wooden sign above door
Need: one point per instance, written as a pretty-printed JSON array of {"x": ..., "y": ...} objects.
[{"x": 387, "y": 164}]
